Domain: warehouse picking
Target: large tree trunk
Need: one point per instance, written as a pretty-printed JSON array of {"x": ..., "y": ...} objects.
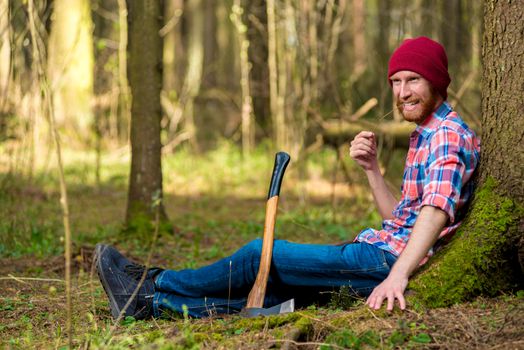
[
  {"x": 145, "y": 80},
  {"x": 483, "y": 258}
]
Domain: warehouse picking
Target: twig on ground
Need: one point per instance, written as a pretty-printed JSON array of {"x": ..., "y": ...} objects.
[
  {"x": 318, "y": 320},
  {"x": 23, "y": 279}
]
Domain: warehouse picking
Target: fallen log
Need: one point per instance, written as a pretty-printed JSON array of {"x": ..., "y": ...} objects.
[{"x": 393, "y": 134}]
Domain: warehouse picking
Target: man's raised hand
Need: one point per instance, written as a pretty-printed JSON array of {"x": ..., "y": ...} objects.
[{"x": 363, "y": 150}]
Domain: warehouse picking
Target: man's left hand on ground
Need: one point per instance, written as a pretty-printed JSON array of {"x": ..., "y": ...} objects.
[{"x": 390, "y": 289}]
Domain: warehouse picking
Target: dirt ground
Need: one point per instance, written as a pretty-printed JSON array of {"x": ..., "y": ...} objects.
[{"x": 32, "y": 315}]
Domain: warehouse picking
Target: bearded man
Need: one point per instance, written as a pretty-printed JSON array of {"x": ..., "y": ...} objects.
[{"x": 442, "y": 157}]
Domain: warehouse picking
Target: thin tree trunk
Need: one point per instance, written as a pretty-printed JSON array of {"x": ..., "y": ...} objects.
[
  {"x": 312, "y": 21},
  {"x": 193, "y": 78},
  {"x": 382, "y": 47},
  {"x": 282, "y": 141},
  {"x": 70, "y": 64},
  {"x": 210, "y": 43},
  {"x": 248, "y": 130},
  {"x": 257, "y": 34},
  {"x": 5, "y": 54},
  {"x": 103, "y": 76},
  {"x": 277, "y": 113},
  {"x": 123, "y": 123},
  {"x": 359, "y": 40},
  {"x": 173, "y": 50},
  {"x": 450, "y": 34},
  {"x": 145, "y": 78}
]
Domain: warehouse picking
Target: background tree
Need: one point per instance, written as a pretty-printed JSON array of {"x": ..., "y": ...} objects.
[
  {"x": 70, "y": 64},
  {"x": 105, "y": 16},
  {"x": 5, "y": 54},
  {"x": 248, "y": 123},
  {"x": 145, "y": 80},
  {"x": 483, "y": 258},
  {"x": 193, "y": 79},
  {"x": 255, "y": 18}
]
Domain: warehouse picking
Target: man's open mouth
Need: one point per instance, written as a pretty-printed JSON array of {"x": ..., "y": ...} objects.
[{"x": 409, "y": 106}]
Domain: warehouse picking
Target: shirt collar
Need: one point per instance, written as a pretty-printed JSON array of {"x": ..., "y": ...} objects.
[{"x": 430, "y": 125}]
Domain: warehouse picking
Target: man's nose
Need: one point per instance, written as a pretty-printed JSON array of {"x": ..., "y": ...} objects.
[{"x": 405, "y": 91}]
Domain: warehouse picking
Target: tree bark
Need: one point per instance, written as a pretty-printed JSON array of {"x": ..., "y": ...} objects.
[
  {"x": 503, "y": 99},
  {"x": 255, "y": 18},
  {"x": 483, "y": 257},
  {"x": 5, "y": 55},
  {"x": 359, "y": 40},
  {"x": 382, "y": 54},
  {"x": 103, "y": 75},
  {"x": 173, "y": 10},
  {"x": 193, "y": 80},
  {"x": 70, "y": 64},
  {"x": 145, "y": 80},
  {"x": 248, "y": 123},
  {"x": 277, "y": 112},
  {"x": 210, "y": 44}
]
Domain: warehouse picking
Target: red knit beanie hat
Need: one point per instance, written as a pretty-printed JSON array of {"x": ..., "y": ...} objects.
[{"x": 425, "y": 57}]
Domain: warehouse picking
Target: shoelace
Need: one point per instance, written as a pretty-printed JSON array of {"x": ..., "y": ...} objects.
[{"x": 136, "y": 271}]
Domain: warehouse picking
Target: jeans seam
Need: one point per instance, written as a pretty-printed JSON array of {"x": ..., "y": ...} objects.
[
  {"x": 211, "y": 282},
  {"x": 204, "y": 304},
  {"x": 373, "y": 269}
]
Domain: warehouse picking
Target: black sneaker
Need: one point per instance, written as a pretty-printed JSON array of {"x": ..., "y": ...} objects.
[
  {"x": 120, "y": 277},
  {"x": 136, "y": 271}
]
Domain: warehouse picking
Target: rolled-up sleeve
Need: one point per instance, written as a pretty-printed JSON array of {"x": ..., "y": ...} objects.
[{"x": 444, "y": 172}]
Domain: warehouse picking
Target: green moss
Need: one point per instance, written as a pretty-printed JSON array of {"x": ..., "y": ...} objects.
[
  {"x": 141, "y": 225},
  {"x": 259, "y": 323},
  {"x": 200, "y": 337},
  {"x": 304, "y": 325},
  {"x": 217, "y": 337},
  {"x": 478, "y": 260}
]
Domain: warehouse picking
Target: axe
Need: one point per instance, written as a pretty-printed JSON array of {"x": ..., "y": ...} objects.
[{"x": 255, "y": 300}]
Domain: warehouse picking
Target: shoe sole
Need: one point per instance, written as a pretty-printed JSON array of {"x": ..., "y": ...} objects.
[{"x": 115, "y": 310}]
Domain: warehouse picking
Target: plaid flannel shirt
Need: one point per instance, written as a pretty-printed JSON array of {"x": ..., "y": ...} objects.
[{"x": 443, "y": 154}]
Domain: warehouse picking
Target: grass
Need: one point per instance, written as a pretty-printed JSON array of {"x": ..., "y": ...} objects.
[{"x": 216, "y": 202}]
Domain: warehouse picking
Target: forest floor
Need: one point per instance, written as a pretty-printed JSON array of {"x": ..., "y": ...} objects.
[{"x": 216, "y": 203}]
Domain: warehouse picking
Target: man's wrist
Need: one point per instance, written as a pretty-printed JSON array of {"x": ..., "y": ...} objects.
[
  {"x": 374, "y": 171},
  {"x": 400, "y": 272}
]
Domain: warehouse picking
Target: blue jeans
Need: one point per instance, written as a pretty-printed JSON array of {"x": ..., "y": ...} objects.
[{"x": 301, "y": 271}]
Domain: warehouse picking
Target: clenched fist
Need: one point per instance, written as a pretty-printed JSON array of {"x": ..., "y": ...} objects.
[{"x": 364, "y": 150}]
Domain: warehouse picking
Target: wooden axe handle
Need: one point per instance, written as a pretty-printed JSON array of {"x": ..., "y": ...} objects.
[{"x": 258, "y": 292}]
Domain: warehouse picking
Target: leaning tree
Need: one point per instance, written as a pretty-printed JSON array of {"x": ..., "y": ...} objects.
[{"x": 484, "y": 258}]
